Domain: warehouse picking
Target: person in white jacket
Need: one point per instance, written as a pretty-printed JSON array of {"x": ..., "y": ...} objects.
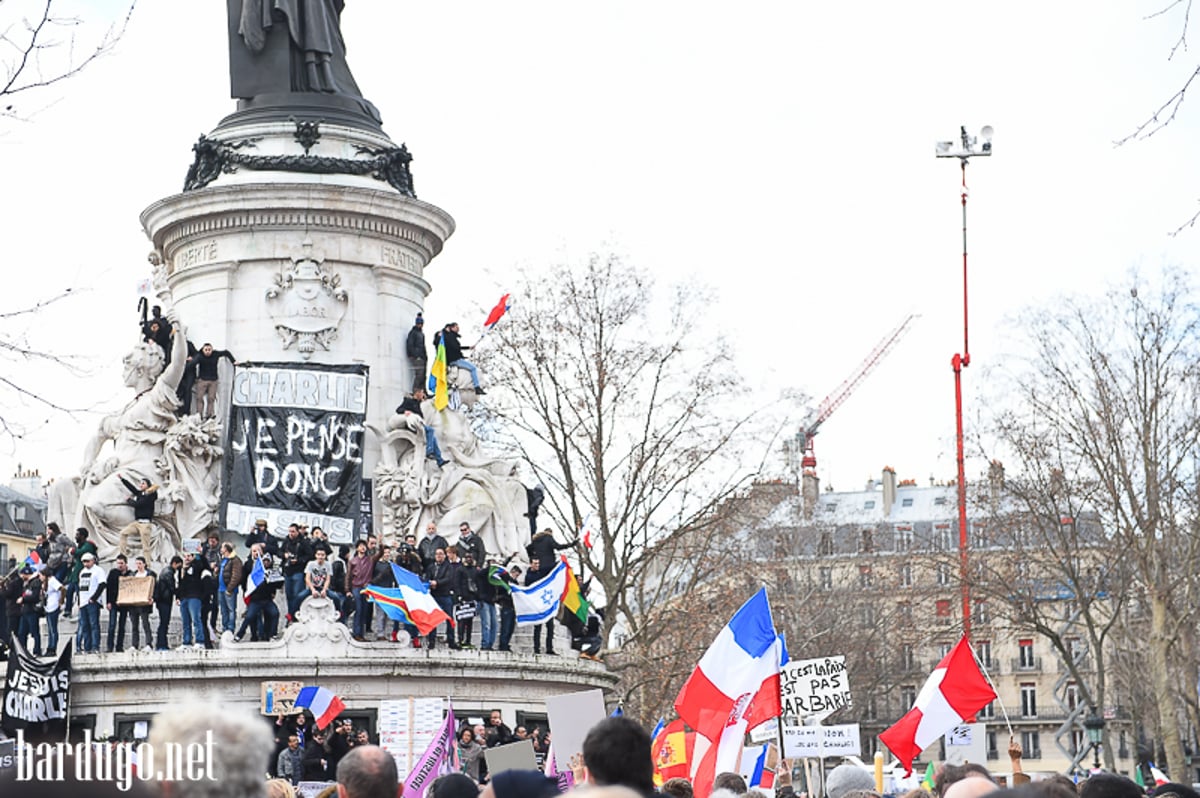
[{"x": 91, "y": 594}]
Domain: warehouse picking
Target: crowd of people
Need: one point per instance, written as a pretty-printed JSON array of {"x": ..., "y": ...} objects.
[{"x": 205, "y": 589}]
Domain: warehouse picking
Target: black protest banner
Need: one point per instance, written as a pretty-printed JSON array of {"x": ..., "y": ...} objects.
[
  {"x": 36, "y": 695},
  {"x": 296, "y": 440}
]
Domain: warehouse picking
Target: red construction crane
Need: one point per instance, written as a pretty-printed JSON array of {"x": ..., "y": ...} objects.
[{"x": 807, "y": 431}]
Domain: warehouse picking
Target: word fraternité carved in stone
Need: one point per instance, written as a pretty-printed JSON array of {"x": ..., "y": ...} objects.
[{"x": 215, "y": 157}]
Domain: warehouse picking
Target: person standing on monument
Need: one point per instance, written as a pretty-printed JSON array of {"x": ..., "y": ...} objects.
[
  {"x": 454, "y": 354},
  {"x": 206, "y": 361},
  {"x": 142, "y": 496},
  {"x": 414, "y": 349},
  {"x": 296, "y": 552},
  {"x": 118, "y": 616},
  {"x": 91, "y": 584}
]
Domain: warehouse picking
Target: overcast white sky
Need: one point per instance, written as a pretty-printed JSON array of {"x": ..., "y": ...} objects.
[{"x": 780, "y": 152}]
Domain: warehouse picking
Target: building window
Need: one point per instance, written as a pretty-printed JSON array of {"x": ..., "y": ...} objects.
[
  {"x": 867, "y": 613},
  {"x": 870, "y": 709},
  {"x": 1025, "y": 658},
  {"x": 982, "y": 615},
  {"x": 867, "y": 540},
  {"x": 979, "y": 536},
  {"x": 1031, "y": 744},
  {"x": 908, "y": 697},
  {"x": 940, "y": 501},
  {"x": 992, "y": 752},
  {"x": 943, "y": 608},
  {"x": 864, "y": 576},
  {"x": 1072, "y": 696},
  {"x": 869, "y": 504},
  {"x": 826, "y": 576},
  {"x": 989, "y": 711},
  {"x": 825, "y": 545},
  {"x": 942, "y": 574},
  {"x": 943, "y": 538},
  {"x": 831, "y": 507},
  {"x": 907, "y": 660},
  {"x": 906, "y": 502},
  {"x": 1028, "y": 700},
  {"x": 944, "y": 650},
  {"x": 906, "y": 575},
  {"x": 903, "y": 538},
  {"x": 906, "y": 612},
  {"x": 1075, "y": 649},
  {"x": 983, "y": 650}
]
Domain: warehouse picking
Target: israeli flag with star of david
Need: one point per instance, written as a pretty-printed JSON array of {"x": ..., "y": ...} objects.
[{"x": 538, "y": 603}]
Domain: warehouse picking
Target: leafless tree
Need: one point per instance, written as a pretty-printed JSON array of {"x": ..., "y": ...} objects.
[
  {"x": 1112, "y": 390},
  {"x": 634, "y": 423},
  {"x": 40, "y": 46},
  {"x": 1166, "y": 112}
]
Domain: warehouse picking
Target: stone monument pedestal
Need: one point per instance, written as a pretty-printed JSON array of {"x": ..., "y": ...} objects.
[{"x": 300, "y": 242}]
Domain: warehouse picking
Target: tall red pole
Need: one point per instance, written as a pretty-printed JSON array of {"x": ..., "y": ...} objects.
[{"x": 958, "y": 363}]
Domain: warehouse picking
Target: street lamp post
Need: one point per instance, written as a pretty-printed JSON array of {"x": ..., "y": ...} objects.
[
  {"x": 964, "y": 149},
  {"x": 1094, "y": 724}
]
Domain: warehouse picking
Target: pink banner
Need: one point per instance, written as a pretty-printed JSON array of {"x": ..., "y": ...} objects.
[{"x": 437, "y": 760}]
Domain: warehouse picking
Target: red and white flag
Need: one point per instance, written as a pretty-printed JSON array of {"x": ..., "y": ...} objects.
[
  {"x": 501, "y": 308},
  {"x": 954, "y": 692},
  {"x": 734, "y": 688}
]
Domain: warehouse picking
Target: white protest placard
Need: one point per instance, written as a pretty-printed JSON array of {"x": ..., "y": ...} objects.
[
  {"x": 813, "y": 687},
  {"x": 514, "y": 756},
  {"x": 821, "y": 741},
  {"x": 967, "y": 743},
  {"x": 571, "y": 717},
  {"x": 765, "y": 732}
]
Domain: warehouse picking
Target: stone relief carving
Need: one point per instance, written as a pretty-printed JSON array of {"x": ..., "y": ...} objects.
[
  {"x": 473, "y": 486},
  {"x": 307, "y": 303}
]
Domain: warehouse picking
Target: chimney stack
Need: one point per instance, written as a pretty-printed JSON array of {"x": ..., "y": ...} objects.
[
  {"x": 889, "y": 490},
  {"x": 810, "y": 492}
]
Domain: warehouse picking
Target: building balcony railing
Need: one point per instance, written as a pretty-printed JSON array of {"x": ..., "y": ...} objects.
[
  {"x": 1027, "y": 664},
  {"x": 1034, "y": 754}
]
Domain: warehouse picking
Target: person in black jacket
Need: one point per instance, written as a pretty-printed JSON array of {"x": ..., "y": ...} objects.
[
  {"x": 412, "y": 406},
  {"x": 538, "y": 571},
  {"x": 295, "y": 553},
  {"x": 117, "y": 616},
  {"x": 29, "y": 598},
  {"x": 261, "y": 535},
  {"x": 414, "y": 349},
  {"x": 454, "y": 354},
  {"x": 440, "y": 577},
  {"x": 262, "y": 616},
  {"x": 429, "y": 544},
  {"x": 190, "y": 597},
  {"x": 164, "y": 599},
  {"x": 466, "y": 591},
  {"x": 142, "y": 496},
  {"x": 543, "y": 547},
  {"x": 206, "y": 362},
  {"x": 508, "y": 614}
]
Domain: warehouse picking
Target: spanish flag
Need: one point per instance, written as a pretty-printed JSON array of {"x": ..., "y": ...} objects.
[
  {"x": 670, "y": 753},
  {"x": 437, "y": 378},
  {"x": 572, "y": 597}
]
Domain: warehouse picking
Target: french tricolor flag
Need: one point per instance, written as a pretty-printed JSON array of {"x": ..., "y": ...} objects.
[
  {"x": 734, "y": 688},
  {"x": 322, "y": 703},
  {"x": 422, "y": 608},
  {"x": 258, "y": 575},
  {"x": 952, "y": 694},
  {"x": 34, "y": 561}
]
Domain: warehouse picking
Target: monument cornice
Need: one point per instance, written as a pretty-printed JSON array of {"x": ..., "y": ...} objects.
[{"x": 183, "y": 217}]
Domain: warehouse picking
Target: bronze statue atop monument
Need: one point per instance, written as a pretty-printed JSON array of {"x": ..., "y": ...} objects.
[{"x": 288, "y": 56}]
